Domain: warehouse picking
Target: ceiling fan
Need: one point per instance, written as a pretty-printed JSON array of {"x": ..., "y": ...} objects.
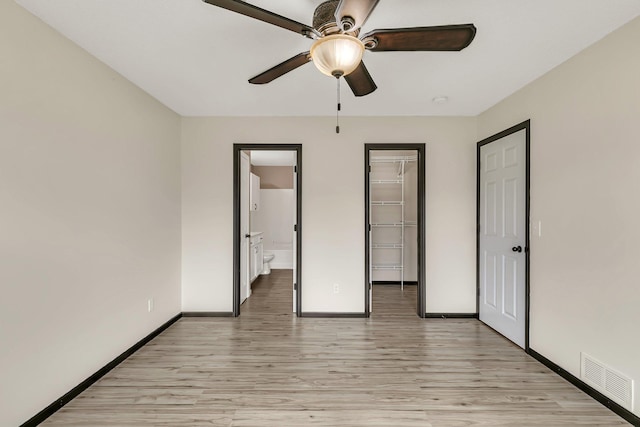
[{"x": 338, "y": 47}]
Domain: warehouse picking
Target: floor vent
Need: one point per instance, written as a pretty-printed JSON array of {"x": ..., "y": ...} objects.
[{"x": 607, "y": 381}]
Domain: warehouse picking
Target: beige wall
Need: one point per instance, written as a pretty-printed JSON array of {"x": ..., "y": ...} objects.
[
  {"x": 585, "y": 170},
  {"x": 89, "y": 217},
  {"x": 332, "y": 206},
  {"x": 274, "y": 177}
]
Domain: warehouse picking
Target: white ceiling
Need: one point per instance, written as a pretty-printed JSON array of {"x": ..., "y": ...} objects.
[{"x": 196, "y": 58}]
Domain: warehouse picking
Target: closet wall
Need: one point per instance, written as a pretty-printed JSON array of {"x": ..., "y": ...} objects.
[{"x": 393, "y": 184}]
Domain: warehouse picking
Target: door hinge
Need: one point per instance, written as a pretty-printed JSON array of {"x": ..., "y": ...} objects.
[
  {"x": 295, "y": 286},
  {"x": 369, "y": 168},
  {"x": 295, "y": 227},
  {"x": 295, "y": 169}
]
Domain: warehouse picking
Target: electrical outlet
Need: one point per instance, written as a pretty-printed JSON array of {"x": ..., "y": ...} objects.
[
  {"x": 336, "y": 288},
  {"x": 150, "y": 305}
]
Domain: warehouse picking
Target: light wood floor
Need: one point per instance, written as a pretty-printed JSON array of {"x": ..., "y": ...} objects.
[{"x": 269, "y": 368}]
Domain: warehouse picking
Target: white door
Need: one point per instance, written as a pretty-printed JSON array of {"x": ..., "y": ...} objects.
[
  {"x": 245, "y": 171},
  {"x": 502, "y": 236},
  {"x": 370, "y": 248},
  {"x": 295, "y": 227}
]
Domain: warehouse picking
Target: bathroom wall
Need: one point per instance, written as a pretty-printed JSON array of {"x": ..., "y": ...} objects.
[
  {"x": 276, "y": 215},
  {"x": 275, "y": 219},
  {"x": 272, "y": 177}
]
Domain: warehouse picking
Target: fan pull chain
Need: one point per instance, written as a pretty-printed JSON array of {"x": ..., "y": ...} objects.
[{"x": 339, "y": 107}]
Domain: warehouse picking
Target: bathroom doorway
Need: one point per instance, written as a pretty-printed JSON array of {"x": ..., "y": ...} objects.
[
  {"x": 267, "y": 226},
  {"x": 395, "y": 227}
]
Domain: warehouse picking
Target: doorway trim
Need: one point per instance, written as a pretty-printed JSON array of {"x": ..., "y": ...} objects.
[
  {"x": 526, "y": 126},
  {"x": 420, "y": 148},
  {"x": 237, "y": 148}
]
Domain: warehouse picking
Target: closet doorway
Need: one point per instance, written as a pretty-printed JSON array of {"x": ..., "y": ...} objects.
[
  {"x": 267, "y": 181},
  {"x": 395, "y": 222}
]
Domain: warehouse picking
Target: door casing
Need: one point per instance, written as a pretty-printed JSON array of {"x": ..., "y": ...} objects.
[
  {"x": 526, "y": 125},
  {"x": 245, "y": 253},
  {"x": 237, "y": 148},
  {"x": 420, "y": 149}
]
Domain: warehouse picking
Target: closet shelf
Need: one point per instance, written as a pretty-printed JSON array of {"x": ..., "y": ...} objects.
[
  {"x": 386, "y": 181},
  {"x": 387, "y": 203},
  {"x": 388, "y": 267},
  {"x": 388, "y": 224},
  {"x": 394, "y": 224},
  {"x": 393, "y": 159}
]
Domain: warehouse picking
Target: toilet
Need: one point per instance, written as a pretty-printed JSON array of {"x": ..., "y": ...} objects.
[{"x": 266, "y": 263}]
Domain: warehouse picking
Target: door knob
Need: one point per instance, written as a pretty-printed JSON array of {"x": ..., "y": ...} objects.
[{"x": 517, "y": 249}]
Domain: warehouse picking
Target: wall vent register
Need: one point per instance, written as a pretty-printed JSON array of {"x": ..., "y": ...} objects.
[{"x": 607, "y": 381}]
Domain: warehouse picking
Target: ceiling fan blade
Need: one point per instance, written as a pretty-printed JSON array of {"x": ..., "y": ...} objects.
[
  {"x": 264, "y": 15},
  {"x": 360, "y": 81},
  {"x": 357, "y": 10},
  {"x": 442, "y": 38},
  {"x": 281, "y": 69}
]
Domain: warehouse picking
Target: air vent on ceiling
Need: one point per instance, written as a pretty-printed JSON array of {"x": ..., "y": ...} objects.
[{"x": 607, "y": 381}]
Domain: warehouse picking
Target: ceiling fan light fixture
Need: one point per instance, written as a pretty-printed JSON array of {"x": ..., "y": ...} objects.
[{"x": 337, "y": 55}]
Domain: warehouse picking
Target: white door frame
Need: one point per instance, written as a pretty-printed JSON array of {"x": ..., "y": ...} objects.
[
  {"x": 526, "y": 125},
  {"x": 237, "y": 149},
  {"x": 245, "y": 172}
]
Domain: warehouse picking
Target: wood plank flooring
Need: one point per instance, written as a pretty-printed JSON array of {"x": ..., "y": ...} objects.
[{"x": 269, "y": 368}]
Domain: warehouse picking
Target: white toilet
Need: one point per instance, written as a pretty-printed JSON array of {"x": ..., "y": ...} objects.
[{"x": 266, "y": 263}]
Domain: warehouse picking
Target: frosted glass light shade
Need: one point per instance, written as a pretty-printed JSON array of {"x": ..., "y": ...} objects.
[{"x": 337, "y": 55}]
